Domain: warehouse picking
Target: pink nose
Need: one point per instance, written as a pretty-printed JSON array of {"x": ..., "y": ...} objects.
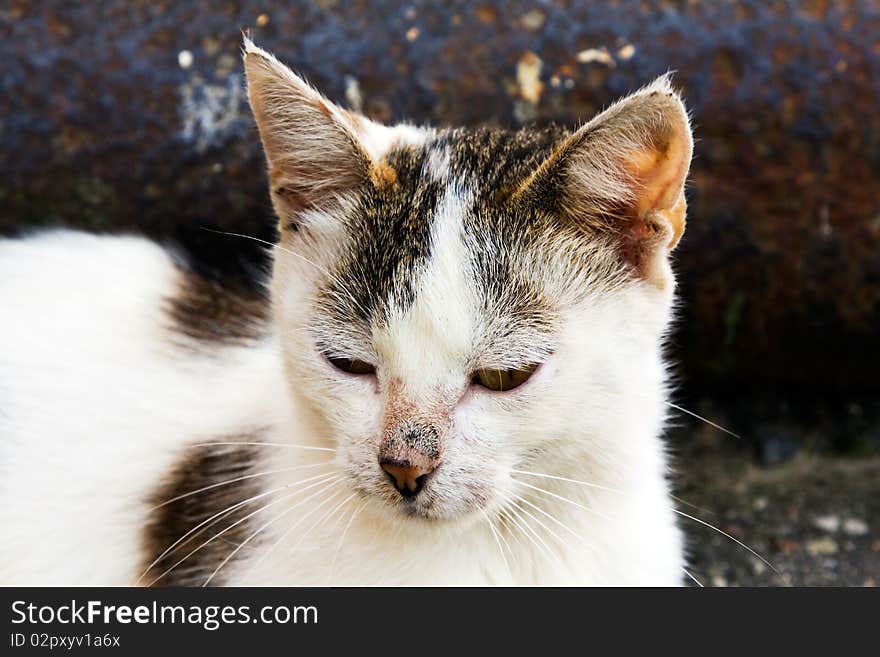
[{"x": 407, "y": 479}]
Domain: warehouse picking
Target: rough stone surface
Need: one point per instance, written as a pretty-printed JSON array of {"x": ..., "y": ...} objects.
[
  {"x": 812, "y": 516},
  {"x": 770, "y": 510},
  {"x": 131, "y": 115}
]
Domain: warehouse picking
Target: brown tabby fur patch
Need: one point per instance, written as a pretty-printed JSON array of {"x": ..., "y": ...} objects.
[{"x": 173, "y": 518}]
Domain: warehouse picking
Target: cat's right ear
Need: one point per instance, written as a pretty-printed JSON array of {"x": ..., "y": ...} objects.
[{"x": 312, "y": 147}]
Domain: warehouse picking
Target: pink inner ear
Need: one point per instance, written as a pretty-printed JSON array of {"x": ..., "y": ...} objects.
[{"x": 659, "y": 175}]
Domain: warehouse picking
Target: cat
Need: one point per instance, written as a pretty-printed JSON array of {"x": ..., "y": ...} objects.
[{"x": 456, "y": 376}]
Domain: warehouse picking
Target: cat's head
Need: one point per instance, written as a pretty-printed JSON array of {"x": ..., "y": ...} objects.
[{"x": 455, "y": 304}]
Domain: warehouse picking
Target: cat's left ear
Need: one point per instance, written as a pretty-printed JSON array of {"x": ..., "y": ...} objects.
[{"x": 625, "y": 171}]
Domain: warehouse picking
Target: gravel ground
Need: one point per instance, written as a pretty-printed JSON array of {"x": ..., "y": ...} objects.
[{"x": 816, "y": 519}]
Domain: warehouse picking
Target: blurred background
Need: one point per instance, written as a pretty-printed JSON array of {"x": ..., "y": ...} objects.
[{"x": 131, "y": 116}]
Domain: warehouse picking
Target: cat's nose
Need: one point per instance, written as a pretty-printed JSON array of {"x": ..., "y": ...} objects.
[{"x": 407, "y": 479}]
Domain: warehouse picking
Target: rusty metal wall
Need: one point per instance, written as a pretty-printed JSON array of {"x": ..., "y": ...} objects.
[{"x": 131, "y": 115}]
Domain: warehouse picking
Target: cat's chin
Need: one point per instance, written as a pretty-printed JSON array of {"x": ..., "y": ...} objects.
[{"x": 414, "y": 511}]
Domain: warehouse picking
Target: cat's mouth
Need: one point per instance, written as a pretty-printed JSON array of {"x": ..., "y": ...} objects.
[
  {"x": 430, "y": 513},
  {"x": 423, "y": 509},
  {"x": 444, "y": 495},
  {"x": 441, "y": 506},
  {"x": 424, "y": 506}
]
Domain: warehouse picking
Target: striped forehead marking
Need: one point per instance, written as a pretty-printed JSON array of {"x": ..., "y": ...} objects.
[{"x": 391, "y": 229}]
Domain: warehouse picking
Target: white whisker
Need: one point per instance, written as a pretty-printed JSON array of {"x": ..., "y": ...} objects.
[
  {"x": 333, "y": 512},
  {"x": 238, "y": 522},
  {"x": 693, "y": 506},
  {"x": 504, "y": 515},
  {"x": 322, "y": 520},
  {"x": 354, "y": 514},
  {"x": 528, "y": 532},
  {"x": 311, "y": 447},
  {"x": 498, "y": 543},
  {"x": 555, "y": 553},
  {"x": 681, "y": 513},
  {"x": 504, "y": 539},
  {"x": 326, "y": 486},
  {"x": 329, "y": 275},
  {"x": 700, "y": 417},
  {"x": 724, "y": 533},
  {"x": 205, "y": 523},
  {"x": 262, "y": 557},
  {"x": 686, "y": 572},
  {"x": 236, "y": 479},
  {"x": 571, "y": 481},
  {"x": 564, "y": 499},
  {"x": 218, "y": 535},
  {"x": 182, "y": 540},
  {"x": 553, "y": 518}
]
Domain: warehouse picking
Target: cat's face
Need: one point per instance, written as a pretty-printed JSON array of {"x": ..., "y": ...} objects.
[{"x": 457, "y": 304}]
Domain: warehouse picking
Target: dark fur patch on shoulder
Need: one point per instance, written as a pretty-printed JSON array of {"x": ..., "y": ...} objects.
[
  {"x": 181, "y": 512},
  {"x": 205, "y": 310}
]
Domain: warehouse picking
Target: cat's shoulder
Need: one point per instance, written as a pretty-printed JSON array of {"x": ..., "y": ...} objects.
[
  {"x": 69, "y": 272},
  {"x": 40, "y": 253},
  {"x": 115, "y": 358},
  {"x": 76, "y": 283}
]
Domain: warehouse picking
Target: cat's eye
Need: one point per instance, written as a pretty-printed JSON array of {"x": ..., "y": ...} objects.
[
  {"x": 352, "y": 365},
  {"x": 503, "y": 380}
]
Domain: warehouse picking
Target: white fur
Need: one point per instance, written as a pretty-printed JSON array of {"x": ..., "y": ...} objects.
[
  {"x": 438, "y": 164},
  {"x": 96, "y": 404},
  {"x": 596, "y": 407}
]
